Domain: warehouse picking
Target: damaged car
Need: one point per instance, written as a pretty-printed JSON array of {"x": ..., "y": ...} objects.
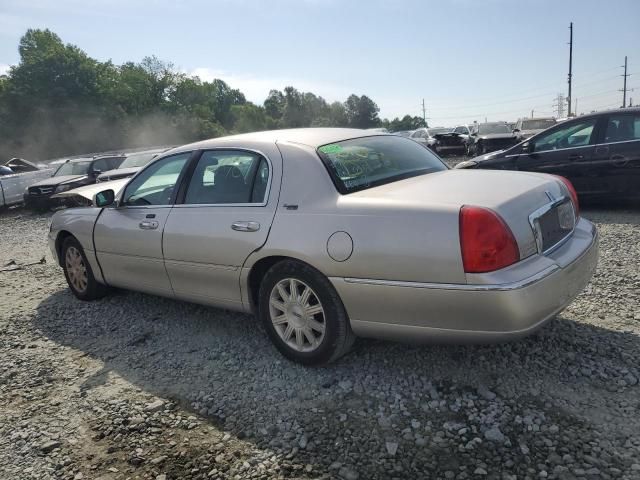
[
  {"x": 131, "y": 165},
  {"x": 528, "y": 127},
  {"x": 490, "y": 136},
  {"x": 452, "y": 140},
  {"x": 301, "y": 228},
  {"x": 16, "y": 175},
  {"x": 71, "y": 174}
]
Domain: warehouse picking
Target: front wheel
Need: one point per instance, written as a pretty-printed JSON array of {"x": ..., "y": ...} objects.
[
  {"x": 303, "y": 314},
  {"x": 78, "y": 272}
]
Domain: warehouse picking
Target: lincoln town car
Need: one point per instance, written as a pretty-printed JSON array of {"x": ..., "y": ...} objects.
[{"x": 330, "y": 234}]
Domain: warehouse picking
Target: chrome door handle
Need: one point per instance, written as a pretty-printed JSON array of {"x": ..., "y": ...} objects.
[
  {"x": 246, "y": 226},
  {"x": 148, "y": 225}
]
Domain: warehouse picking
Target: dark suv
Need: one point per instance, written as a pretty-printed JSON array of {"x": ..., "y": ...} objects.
[
  {"x": 599, "y": 153},
  {"x": 73, "y": 173}
]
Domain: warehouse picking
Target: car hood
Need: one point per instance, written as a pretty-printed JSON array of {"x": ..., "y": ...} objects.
[
  {"x": 58, "y": 180},
  {"x": 89, "y": 191},
  {"x": 496, "y": 136},
  {"x": 120, "y": 172},
  {"x": 480, "y": 159}
]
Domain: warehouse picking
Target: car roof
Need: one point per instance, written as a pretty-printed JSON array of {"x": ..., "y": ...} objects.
[
  {"x": 606, "y": 112},
  {"x": 313, "y": 137}
]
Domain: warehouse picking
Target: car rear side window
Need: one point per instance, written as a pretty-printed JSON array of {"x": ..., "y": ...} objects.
[
  {"x": 367, "y": 162},
  {"x": 622, "y": 128},
  {"x": 228, "y": 177}
]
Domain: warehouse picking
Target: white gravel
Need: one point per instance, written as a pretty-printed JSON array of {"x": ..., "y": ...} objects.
[{"x": 136, "y": 386}]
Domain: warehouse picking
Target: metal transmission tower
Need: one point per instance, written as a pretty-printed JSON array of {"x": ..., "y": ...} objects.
[
  {"x": 624, "y": 88},
  {"x": 570, "y": 65},
  {"x": 558, "y": 106}
]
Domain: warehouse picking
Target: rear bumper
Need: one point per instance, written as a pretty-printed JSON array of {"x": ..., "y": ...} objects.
[{"x": 473, "y": 313}]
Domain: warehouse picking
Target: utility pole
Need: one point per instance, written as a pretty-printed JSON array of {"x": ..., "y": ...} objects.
[
  {"x": 570, "y": 65},
  {"x": 624, "y": 88},
  {"x": 575, "y": 110},
  {"x": 424, "y": 113},
  {"x": 531, "y": 113},
  {"x": 559, "y": 105}
]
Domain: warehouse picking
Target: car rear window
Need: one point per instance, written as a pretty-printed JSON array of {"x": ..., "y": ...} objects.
[{"x": 367, "y": 162}]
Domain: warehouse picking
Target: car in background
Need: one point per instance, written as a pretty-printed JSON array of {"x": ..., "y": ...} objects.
[
  {"x": 599, "y": 153},
  {"x": 403, "y": 133},
  {"x": 71, "y": 174},
  {"x": 452, "y": 140},
  {"x": 528, "y": 127},
  {"x": 422, "y": 136},
  {"x": 131, "y": 165},
  {"x": 16, "y": 175},
  {"x": 489, "y": 136},
  {"x": 301, "y": 227}
]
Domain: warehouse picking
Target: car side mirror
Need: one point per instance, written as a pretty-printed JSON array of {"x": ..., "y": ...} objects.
[
  {"x": 104, "y": 198},
  {"x": 95, "y": 172},
  {"x": 528, "y": 147}
]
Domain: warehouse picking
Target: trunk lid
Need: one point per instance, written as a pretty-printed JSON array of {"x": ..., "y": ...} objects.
[{"x": 512, "y": 195}]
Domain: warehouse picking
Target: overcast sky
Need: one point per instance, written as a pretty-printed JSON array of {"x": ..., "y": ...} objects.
[{"x": 469, "y": 59}]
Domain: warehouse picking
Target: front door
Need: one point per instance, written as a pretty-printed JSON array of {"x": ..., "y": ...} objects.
[
  {"x": 566, "y": 150},
  {"x": 225, "y": 215},
  {"x": 128, "y": 237}
]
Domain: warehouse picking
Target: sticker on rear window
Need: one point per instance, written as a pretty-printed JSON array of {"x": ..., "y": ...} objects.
[{"x": 329, "y": 149}]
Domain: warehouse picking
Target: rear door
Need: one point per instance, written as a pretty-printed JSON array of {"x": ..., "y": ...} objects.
[
  {"x": 618, "y": 154},
  {"x": 566, "y": 150},
  {"x": 128, "y": 238},
  {"x": 225, "y": 214}
]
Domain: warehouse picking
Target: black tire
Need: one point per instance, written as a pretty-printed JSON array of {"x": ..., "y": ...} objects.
[
  {"x": 338, "y": 337},
  {"x": 93, "y": 289},
  {"x": 480, "y": 149}
]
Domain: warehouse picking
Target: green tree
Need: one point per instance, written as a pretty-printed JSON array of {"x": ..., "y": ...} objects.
[{"x": 361, "y": 112}]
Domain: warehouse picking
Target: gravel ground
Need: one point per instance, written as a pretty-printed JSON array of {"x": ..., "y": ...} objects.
[{"x": 136, "y": 386}]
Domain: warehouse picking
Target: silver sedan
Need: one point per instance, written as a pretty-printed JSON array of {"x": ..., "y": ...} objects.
[{"x": 329, "y": 234}]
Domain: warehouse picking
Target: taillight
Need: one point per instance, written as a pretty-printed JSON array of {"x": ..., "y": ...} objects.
[
  {"x": 486, "y": 242},
  {"x": 572, "y": 193}
]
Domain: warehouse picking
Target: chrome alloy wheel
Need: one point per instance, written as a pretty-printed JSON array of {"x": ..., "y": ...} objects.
[
  {"x": 297, "y": 315},
  {"x": 76, "y": 269}
]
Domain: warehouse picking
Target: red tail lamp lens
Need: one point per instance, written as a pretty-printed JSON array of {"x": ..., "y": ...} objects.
[{"x": 486, "y": 241}]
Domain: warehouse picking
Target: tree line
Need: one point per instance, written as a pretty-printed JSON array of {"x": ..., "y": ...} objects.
[{"x": 59, "y": 101}]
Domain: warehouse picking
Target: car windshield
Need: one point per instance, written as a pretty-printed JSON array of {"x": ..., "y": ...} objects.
[
  {"x": 371, "y": 161},
  {"x": 436, "y": 131},
  {"x": 539, "y": 124},
  {"x": 488, "y": 128},
  {"x": 73, "y": 168},
  {"x": 138, "y": 159}
]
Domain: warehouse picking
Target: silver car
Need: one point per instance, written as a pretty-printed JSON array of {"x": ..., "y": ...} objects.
[{"x": 329, "y": 234}]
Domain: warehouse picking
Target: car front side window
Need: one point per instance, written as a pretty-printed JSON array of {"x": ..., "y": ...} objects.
[
  {"x": 228, "y": 177},
  {"x": 570, "y": 136},
  {"x": 156, "y": 184}
]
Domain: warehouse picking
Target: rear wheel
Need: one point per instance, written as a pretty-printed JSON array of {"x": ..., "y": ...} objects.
[
  {"x": 303, "y": 314},
  {"x": 78, "y": 272}
]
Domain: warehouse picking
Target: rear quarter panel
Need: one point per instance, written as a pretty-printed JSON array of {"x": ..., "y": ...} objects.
[{"x": 390, "y": 241}]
